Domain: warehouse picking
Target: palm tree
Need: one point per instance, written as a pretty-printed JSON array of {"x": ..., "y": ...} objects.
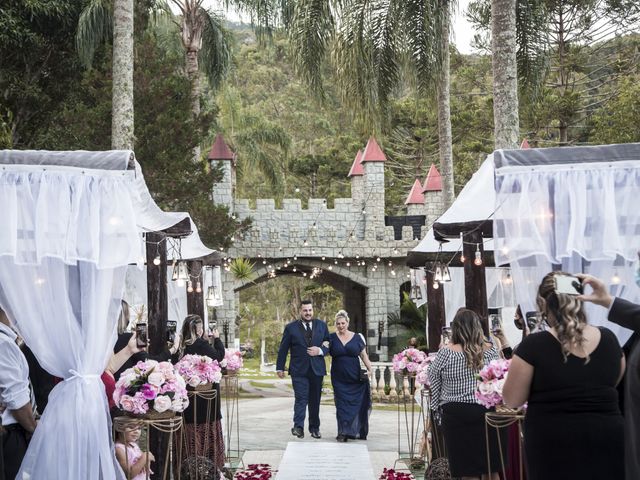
[
  {"x": 505, "y": 74},
  {"x": 377, "y": 47},
  {"x": 94, "y": 27}
]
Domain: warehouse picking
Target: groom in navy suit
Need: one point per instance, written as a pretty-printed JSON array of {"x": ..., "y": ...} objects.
[{"x": 307, "y": 339}]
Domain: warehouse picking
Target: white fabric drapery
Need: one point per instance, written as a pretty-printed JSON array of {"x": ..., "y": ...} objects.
[
  {"x": 67, "y": 237},
  {"x": 578, "y": 217}
]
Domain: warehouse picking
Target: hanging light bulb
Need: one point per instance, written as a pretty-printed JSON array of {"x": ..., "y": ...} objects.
[
  {"x": 446, "y": 274},
  {"x": 156, "y": 261},
  {"x": 437, "y": 276},
  {"x": 615, "y": 280},
  {"x": 462, "y": 258},
  {"x": 198, "y": 287},
  {"x": 189, "y": 286},
  {"x": 348, "y": 264},
  {"x": 436, "y": 285},
  {"x": 478, "y": 260},
  {"x": 507, "y": 278},
  {"x": 295, "y": 269}
]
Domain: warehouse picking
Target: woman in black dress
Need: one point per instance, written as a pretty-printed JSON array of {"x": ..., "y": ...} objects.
[
  {"x": 452, "y": 378},
  {"x": 568, "y": 376},
  {"x": 203, "y": 437},
  {"x": 352, "y": 396}
]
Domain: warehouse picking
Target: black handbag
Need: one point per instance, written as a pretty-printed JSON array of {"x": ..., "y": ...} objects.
[{"x": 364, "y": 376}]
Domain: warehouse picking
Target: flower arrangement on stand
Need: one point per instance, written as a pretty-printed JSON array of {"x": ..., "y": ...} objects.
[
  {"x": 408, "y": 361},
  {"x": 199, "y": 370},
  {"x": 232, "y": 361},
  {"x": 255, "y": 471},
  {"x": 490, "y": 383},
  {"x": 151, "y": 388},
  {"x": 422, "y": 377}
]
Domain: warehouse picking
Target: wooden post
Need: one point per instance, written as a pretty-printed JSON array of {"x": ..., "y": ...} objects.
[
  {"x": 195, "y": 300},
  {"x": 435, "y": 313},
  {"x": 475, "y": 282},
  {"x": 157, "y": 292}
]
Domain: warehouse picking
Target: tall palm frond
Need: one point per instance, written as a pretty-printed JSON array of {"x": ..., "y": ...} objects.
[
  {"x": 215, "y": 56},
  {"x": 94, "y": 28}
]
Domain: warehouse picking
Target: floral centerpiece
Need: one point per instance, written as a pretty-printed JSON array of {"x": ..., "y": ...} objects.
[
  {"x": 255, "y": 471},
  {"x": 199, "y": 370},
  {"x": 422, "y": 377},
  {"x": 491, "y": 381},
  {"x": 151, "y": 388},
  {"x": 232, "y": 360},
  {"x": 408, "y": 361}
]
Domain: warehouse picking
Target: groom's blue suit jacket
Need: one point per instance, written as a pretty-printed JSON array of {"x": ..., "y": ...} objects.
[{"x": 293, "y": 341}]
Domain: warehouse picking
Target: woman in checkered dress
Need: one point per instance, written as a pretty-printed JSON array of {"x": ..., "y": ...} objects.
[{"x": 452, "y": 376}]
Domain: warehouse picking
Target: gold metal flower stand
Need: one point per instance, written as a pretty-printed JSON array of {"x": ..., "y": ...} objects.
[
  {"x": 410, "y": 422},
  {"x": 504, "y": 418},
  {"x": 158, "y": 425},
  {"x": 199, "y": 438},
  {"x": 230, "y": 392}
]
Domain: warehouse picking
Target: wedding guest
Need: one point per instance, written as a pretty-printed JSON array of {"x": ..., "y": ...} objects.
[
  {"x": 115, "y": 363},
  {"x": 626, "y": 314},
  {"x": 352, "y": 395},
  {"x": 18, "y": 419},
  {"x": 452, "y": 377},
  {"x": 568, "y": 375},
  {"x": 204, "y": 429},
  {"x": 307, "y": 339},
  {"x": 135, "y": 463}
]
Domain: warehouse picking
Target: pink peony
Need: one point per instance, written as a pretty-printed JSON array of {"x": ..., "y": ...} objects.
[{"x": 162, "y": 403}]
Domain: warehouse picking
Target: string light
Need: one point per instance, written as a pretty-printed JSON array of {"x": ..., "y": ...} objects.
[
  {"x": 436, "y": 285},
  {"x": 462, "y": 258},
  {"x": 478, "y": 260},
  {"x": 198, "y": 287},
  {"x": 156, "y": 261},
  {"x": 615, "y": 280},
  {"x": 189, "y": 286}
]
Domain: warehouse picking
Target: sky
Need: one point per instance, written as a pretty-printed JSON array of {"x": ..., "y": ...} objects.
[{"x": 462, "y": 30}]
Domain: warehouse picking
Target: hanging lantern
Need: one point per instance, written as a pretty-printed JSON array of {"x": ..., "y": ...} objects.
[
  {"x": 446, "y": 274},
  {"x": 437, "y": 276},
  {"x": 180, "y": 271},
  {"x": 174, "y": 270}
]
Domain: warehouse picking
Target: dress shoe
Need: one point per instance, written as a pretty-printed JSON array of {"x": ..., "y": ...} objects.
[
  {"x": 341, "y": 438},
  {"x": 298, "y": 432},
  {"x": 316, "y": 434}
]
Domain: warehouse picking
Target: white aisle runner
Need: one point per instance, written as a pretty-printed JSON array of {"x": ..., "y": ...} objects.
[{"x": 325, "y": 461}]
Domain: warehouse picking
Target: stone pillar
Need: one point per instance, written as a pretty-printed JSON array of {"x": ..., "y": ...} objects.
[
  {"x": 223, "y": 191},
  {"x": 433, "y": 206},
  {"x": 373, "y": 162},
  {"x": 416, "y": 209}
]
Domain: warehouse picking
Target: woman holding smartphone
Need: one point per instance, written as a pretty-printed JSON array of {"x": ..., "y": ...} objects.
[
  {"x": 568, "y": 375},
  {"x": 204, "y": 437}
]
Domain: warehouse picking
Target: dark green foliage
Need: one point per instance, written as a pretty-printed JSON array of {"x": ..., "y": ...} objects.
[{"x": 409, "y": 322}]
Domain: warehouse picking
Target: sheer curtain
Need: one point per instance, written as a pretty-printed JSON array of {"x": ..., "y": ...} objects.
[
  {"x": 578, "y": 218},
  {"x": 67, "y": 237}
]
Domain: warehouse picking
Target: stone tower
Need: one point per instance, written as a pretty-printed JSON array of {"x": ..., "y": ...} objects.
[
  {"x": 433, "y": 198},
  {"x": 356, "y": 174},
  {"x": 221, "y": 155},
  {"x": 373, "y": 159},
  {"x": 415, "y": 200}
]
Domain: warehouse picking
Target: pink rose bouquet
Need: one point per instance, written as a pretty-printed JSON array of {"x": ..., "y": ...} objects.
[
  {"x": 422, "y": 377},
  {"x": 198, "y": 370},
  {"x": 408, "y": 361},
  {"x": 232, "y": 360},
  {"x": 151, "y": 387},
  {"x": 491, "y": 381}
]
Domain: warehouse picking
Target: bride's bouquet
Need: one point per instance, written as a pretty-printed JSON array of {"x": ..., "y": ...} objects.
[
  {"x": 199, "y": 370},
  {"x": 408, "y": 361},
  {"x": 149, "y": 387},
  {"x": 491, "y": 381}
]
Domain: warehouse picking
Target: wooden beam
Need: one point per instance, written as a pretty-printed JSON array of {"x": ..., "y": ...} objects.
[
  {"x": 418, "y": 259},
  {"x": 475, "y": 282},
  {"x": 453, "y": 230},
  {"x": 435, "y": 313},
  {"x": 195, "y": 300},
  {"x": 157, "y": 292}
]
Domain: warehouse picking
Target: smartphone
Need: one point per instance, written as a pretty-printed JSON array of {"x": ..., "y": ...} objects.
[
  {"x": 532, "y": 320},
  {"x": 172, "y": 325},
  {"x": 568, "y": 284},
  {"x": 494, "y": 321},
  {"x": 141, "y": 335},
  {"x": 446, "y": 335},
  {"x": 212, "y": 327}
]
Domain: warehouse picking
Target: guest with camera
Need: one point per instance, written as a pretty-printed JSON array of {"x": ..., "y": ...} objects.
[
  {"x": 452, "y": 377},
  {"x": 351, "y": 390},
  {"x": 568, "y": 375},
  {"x": 626, "y": 314},
  {"x": 203, "y": 429}
]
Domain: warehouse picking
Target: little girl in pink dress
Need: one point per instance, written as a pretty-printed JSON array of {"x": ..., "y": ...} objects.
[{"x": 133, "y": 461}]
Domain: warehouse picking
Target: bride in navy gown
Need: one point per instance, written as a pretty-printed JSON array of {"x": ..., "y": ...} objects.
[{"x": 351, "y": 395}]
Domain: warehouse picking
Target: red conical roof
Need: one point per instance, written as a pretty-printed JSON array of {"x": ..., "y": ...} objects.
[
  {"x": 433, "y": 182},
  {"x": 525, "y": 144},
  {"x": 373, "y": 152},
  {"x": 357, "y": 168},
  {"x": 220, "y": 150},
  {"x": 415, "y": 195}
]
